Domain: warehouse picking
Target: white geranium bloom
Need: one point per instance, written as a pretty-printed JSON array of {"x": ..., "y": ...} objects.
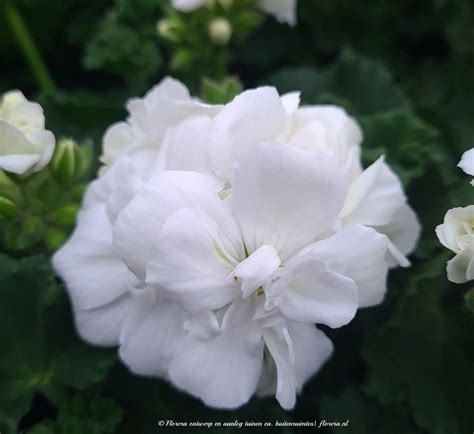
[
  {"x": 24, "y": 143},
  {"x": 467, "y": 163},
  {"x": 283, "y": 11},
  {"x": 457, "y": 234},
  {"x": 209, "y": 256},
  {"x": 227, "y": 264}
]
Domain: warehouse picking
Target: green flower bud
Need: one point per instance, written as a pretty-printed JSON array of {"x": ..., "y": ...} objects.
[
  {"x": 66, "y": 215},
  {"x": 8, "y": 208},
  {"x": 220, "y": 31},
  {"x": 170, "y": 28},
  {"x": 220, "y": 92},
  {"x": 55, "y": 239},
  {"x": 65, "y": 162},
  {"x": 181, "y": 59}
]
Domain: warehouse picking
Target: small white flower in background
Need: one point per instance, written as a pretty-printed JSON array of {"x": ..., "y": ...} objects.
[
  {"x": 283, "y": 11},
  {"x": 457, "y": 234},
  {"x": 24, "y": 143},
  {"x": 467, "y": 163},
  {"x": 220, "y": 31},
  {"x": 219, "y": 236}
]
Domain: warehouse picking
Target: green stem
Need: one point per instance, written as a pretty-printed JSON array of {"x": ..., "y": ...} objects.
[{"x": 28, "y": 47}]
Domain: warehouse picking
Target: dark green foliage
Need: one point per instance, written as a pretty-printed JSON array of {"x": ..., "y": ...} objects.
[
  {"x": 40, "y": 349},
  {"x": 403, "y": 69}
]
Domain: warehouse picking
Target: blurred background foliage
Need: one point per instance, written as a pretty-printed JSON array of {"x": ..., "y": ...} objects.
[{"x": 404, "y": 69}]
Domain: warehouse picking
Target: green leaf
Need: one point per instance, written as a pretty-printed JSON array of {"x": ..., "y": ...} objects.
[
  {"x": 22, "y": 366},
  {"x": 363, "y": 415},
  {"x": 41, "y": 429},
  {"x": 409, "y": 144},
  {"x": 418, "y": 358},
  {"x": 7, "y": 425},
  {"x": 81, "y": 366},
  {"x": 82, "y": 415},
  {"x": 363, "y": 86},
  {"x": 125, "y": 51},
  {"x": 40, "y": 347}
]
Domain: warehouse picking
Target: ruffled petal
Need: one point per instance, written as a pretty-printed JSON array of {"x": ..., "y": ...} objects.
[
  {"x": 285, "y": 197},
  {"x": 220, "y": 364}
]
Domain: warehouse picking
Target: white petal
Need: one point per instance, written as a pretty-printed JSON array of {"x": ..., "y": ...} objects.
[
  {"x": 139, "y": 224},
  {"x": 467, "y": 162},
  {"x": 117, "y": 138},
  {"x": 9, "y": 101},
  {"x": 117, "y": 186},
  {"x": 403, "y": 232},
  {"x": 357, "y": 252},
  {"x": 252, "y": 116},
  {"x": 151, "y": 335},
  {"x": 310, "y": 292},
  {"x": 44, "y": 142},
  {"x": 374, "y": 197},
  {"x": 103, "y": 325},
  {"x": 461, "y": 268},
  {"x": 256, "y": 114},
  {"x": 223, "y": 368},
  {"x": 185, "y": 147},
  {"x": 27, "y": 116},
  {"x": 285, "y": 197},
  {"x": 283, "y": 10},
  {"x": 190, "y": 262},
  {"x": 17, "y": 153},
  {"x": 255, "y": 270},
  {"x": 18, "y": 164},
  {"x": 167, "y": 89},
  {"x": 297, "y": 352},
  {"x": 280, "y": 346},
  {"x": 311, "y": 347},
  {"x": 291, "y": 101},
  {"x": 93, "y": 274}
]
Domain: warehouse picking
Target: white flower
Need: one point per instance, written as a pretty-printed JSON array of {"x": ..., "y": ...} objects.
[
  {"x": 467, "y": 163},
  {"x": 209, "y": 256},
  {"x": 24, "y": 143},
  {"x": 457, "y": 234},
  {"x": 282, "y": 10}
]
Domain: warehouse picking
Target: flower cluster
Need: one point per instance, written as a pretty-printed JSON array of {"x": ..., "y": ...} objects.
[
  {"x": 216, "y": 237},
  {"x": 457, "y": 232},
  {"x": 25, "y": 145}
]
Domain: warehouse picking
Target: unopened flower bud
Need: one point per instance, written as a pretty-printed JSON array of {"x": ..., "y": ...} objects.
[
  {"x": 65, "y": 162},
  {"x": 169, "y": 28},
  {"x": 8, "y": 208},
  {"x": 220, "y": 31},
  {"x": 66, "y": 215},
  {"x": 55, "y": 239}
]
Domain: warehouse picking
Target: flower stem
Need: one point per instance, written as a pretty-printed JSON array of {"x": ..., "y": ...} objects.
[{"x": 28, "y": 47}]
